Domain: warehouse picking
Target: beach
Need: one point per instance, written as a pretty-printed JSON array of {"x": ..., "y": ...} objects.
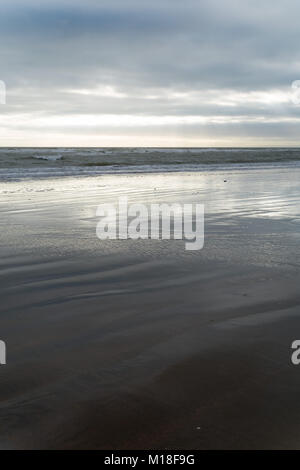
[{"x": 141, "y": 344}]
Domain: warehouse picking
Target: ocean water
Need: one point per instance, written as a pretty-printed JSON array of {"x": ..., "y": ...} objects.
[{"x": 20, "y": 163}]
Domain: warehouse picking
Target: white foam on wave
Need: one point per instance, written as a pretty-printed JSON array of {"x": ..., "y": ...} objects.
[
  {"x": 19, "y": 174},
  {"x": 51, "y": 158}
]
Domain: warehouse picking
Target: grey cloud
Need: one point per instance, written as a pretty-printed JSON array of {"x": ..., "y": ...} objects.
[{"x": 143, "y": 47}]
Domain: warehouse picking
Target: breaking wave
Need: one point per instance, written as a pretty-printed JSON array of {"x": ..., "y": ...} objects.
[{"x": 19, "y": 163}]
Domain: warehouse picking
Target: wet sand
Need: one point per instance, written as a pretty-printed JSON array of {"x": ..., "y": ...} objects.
[{"x": 141, "y": 344}]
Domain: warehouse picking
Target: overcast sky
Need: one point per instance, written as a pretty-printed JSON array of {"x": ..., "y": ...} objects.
[{"x": 150, "y": 73}]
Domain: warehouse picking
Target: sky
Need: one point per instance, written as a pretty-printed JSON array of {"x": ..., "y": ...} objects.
[{"x": 167, "y": 73}]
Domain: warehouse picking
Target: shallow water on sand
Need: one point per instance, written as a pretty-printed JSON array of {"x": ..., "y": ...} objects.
[
  {"x": 139, "y": 344},
  {"x": 259, "y": 208}
]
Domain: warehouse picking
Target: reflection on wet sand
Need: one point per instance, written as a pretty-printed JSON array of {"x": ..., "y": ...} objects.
[{"x": 140, "y": 344}]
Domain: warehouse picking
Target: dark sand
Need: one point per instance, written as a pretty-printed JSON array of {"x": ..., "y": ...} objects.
[{"x": 143, "y": 345}]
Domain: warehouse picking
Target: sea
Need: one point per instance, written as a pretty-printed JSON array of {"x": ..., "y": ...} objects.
[{"x": 23, "y": 163}]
